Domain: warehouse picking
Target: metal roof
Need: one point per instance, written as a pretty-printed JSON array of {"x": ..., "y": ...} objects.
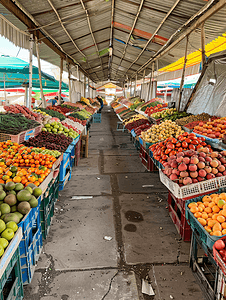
[{"x": 81, "y": 30}]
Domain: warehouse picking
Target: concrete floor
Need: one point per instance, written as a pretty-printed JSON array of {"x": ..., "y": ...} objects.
[{"x": 102, "y": 247}]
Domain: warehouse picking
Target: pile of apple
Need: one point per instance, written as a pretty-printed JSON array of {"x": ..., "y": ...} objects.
[
  {"x": 220, "y": 246},
  {"x": 194, "y": 166}
]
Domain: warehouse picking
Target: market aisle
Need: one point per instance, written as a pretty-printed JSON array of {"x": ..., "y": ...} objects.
[{"x": 127, "y": 206}]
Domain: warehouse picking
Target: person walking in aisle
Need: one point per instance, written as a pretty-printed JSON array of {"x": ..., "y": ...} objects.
[{"x": 101, "y": 102}]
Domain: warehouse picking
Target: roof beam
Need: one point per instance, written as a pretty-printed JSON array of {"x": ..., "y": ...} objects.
[
  {"x": 61, "y": 23},
  {"x": 201, "y": 16},
  {"x": 156, "y": 31},
  {"x": 91, "y": 46},
  {"x": 90, "y": 29},
  {"x": 64, "y": 28},
  {"x": 131, "y": 31},
  {"x": 80, "y": 37},
  {"x": 28, "y": 20},
  {"x": 111, "y": 38}
]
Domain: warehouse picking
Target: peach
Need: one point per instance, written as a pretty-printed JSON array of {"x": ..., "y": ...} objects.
[
  {"x": 201, "y": 165},
  {"x": 208, "y": 169},
  {"x": 194, "y": 160},
  {"x": 214, "y": 163},
  {"x": 186, "y": 160},
  {"x": 182, "y": 167},
  {"x": 173, "y": 177},
  {"x": 202, "y": 173},
  {"x": 184, "y": 174},
  {"x": 192, "y": 167},
  {"x": 194, "y": 174},
  {"x": 187, "y": 180},
  {"x": 221, "y": 168},
  {"x": 214, "y": 171}
]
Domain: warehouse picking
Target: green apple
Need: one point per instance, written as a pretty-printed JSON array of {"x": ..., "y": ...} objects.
[
  {"x": 2, "y": 225},
  {"x": 1, "y": 250},
  {"x": 12, "y": 225},
  {"x": 4, "y": 243},
  {"x": 7, "y": 234}
]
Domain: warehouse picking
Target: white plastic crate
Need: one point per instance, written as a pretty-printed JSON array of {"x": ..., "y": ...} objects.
[{"x": 192, "y": 189}]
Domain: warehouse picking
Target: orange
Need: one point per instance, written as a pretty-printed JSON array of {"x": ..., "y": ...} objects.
[
  {"x": 200, "y": 209},
  {"x": 217, "y": 233},
  {"x": 206, "y": 199},
  {"x": 208, "y": 210},
  {"x": 211, "y": 204},
  {"x": 215, "y": 208},
  {"x": 194, "y": 209},
  {"x": 217, "y": 227},
  {"x": 214, "y": 217},
  {"x": 17, "y": 179},
  {"x": 202, "y": 221},
  {"x": 210, "y": 215},
  {"x": 206, "y": 204},
  {"x": 196, "y": 215},
  {"x": 208, "y": 229},
  {"x": 223, "y": 231},
  {"x": 211, "y": 223},
  {"x": 204, "y": 215},
  {"x": 221, "y": 219},
  {"x": 201, "y": 205},
  {"x": 223, "y": 196}
]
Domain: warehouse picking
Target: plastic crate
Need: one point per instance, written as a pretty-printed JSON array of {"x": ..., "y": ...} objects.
[
  {"x": 187, "y": 129},
  {"x": 145, "y": 144},
  {"x": 192, "y": 189},
  {"x": 179, "y": 220},
  {"x": 65, "y": 181},
  {"x": 97, "y": 118},
  {"x": 66, "y": 161},
  {"x": 25, "y": 135},
  {"x": 31, "y": 243},
  {"x": 11, "y": 286},
  {"x": 218, "y": 258},
  {"x": 199, "y": 230},
  {"x": 204, "y": 268},
  {"x": 182, "y": 201},
  {"x": 146, "y": 160},
  {"x": 48, "y": 204}
]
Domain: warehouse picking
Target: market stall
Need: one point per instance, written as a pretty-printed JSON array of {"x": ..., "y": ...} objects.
[
  {"x": 188, "y": 151},
  {"x": 38, "y": 149}
]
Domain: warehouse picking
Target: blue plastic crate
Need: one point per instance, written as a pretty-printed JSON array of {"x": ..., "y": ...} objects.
[
  {"x": 64, "y": 182},
  {"x": 199, "y": 230},
  {"x": 31, "y": 243},
  {"x": 66, "y": 162},
  {"x": 97, "y": 118}
]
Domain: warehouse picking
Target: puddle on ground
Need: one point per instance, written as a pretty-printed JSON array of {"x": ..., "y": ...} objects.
[
  {"x": 130, "y": 228},
  {"x": 134, "y": 216}
]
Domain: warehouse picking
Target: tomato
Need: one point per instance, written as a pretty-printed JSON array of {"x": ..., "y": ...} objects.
[
  {"x": 195, "y": 142},
  {"x": 167, "y": 151},
  {"x": 185, "y": 133},
  {"x": 174, "y": 141},
  {"x": 173, "y": 152},
  {"x": 184, "y": 144},
  {"x": 170, "y": 146},
  {"x": 191, "y": 147},
  {"x": 178, "y": 145},
  {"x": 219, "y": 245},
  {"x": 187, "y": 140}
]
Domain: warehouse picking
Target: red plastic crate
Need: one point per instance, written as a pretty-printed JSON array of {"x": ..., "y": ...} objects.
[
  {"x": 146, "y": 160},
  {"x": 179, "y": 220},
  {"x": 218, "y": 259}
]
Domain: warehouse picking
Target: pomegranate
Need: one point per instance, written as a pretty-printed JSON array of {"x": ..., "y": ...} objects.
[
  {"x": 219, "y": 245},
  {"x": 208, "y": 169},
  {"x": 173, "y": 177},
  {"x": 201, "y": 165},
  {"x": 194, "y": 174},
  {"x": 184, "y": 174},
  {"x": 194, "y": 160},
  {"x": 187, "y": 180},
  {"x": 182, "y": 167},
  {"x": 192, "y": 167},
  {"x": 210, "y": 176},
  {"x": 202, "y": 173}
]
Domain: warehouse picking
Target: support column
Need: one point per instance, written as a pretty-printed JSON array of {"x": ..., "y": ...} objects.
[
  {"x": 6, "y": 101},
  {"x": 84, "y": 86},
  {"x": 152, "y": 79},
  {"x": 88, "y": 89},
  {"x": 69, "y": 81},
  {"x": 40, "y": 74},
  {"x": 135, "y": 87},
  {"x": 203, "y": 44},
  {"x": 142, "y": 85},
  {"x": 60, "y": 81},
  {"x": 28, "y": 104},
  {"x": 183, "y": 74}
]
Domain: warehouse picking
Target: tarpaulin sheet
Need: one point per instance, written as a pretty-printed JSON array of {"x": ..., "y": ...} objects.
[{"x": 210, "y": 96}]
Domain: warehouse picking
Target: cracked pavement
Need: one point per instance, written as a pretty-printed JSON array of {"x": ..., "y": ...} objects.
[{"x": 102, "y": 247}]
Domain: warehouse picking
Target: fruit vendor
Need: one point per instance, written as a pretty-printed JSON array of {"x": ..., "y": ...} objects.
[{"x": 101, "y": 102}]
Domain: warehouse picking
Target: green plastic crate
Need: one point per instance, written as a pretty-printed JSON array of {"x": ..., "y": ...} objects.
[
  {"x": 11, "y": 285},
  {"x": 48, "y": 204}
]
